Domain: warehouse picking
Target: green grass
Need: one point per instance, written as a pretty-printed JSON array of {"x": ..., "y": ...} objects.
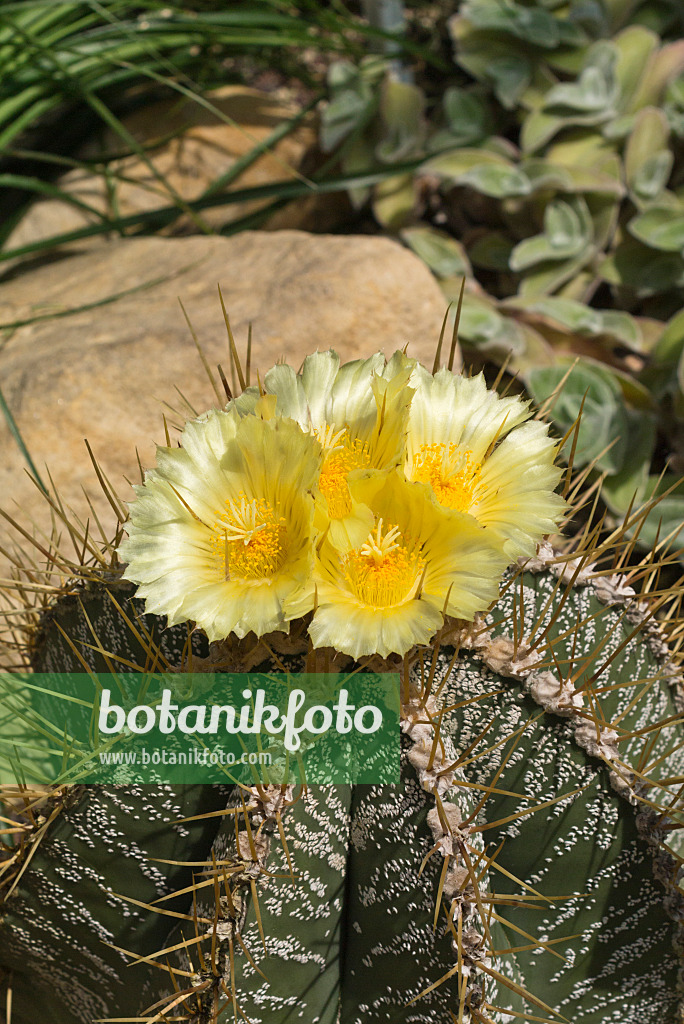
[{"x": 69, "y": 70}]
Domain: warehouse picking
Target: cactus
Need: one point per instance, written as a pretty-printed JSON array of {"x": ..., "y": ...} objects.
[
  {"x": 357, "y": 917},
  {"x": 525, "y": 868}
]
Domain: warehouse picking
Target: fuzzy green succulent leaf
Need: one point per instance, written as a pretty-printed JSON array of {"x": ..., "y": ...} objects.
[
  {"x": 401, "y": 114},
  {"x": 647, "y": 142},
  {"x": 491, "y": 251},
  {"x": 352, "y": 104},
  {"x": 653, "y": 175},
  {"x": 479, "y": 322},
  {"x": 592, "y": 100},
  {"x": 634, "y": 47},
  {"x": 636, "y": 266},
  {"x": 394, "y": 200},
  {"x": 601, "y": 179},
  {"x": 675, "y": 92},
  {"x": 619, "y": 128},
  {"x": 668, "y": 350},
  {"x": 536, "y": 351},
  {"x": 666, "y": 520},
  {"x": 468, "y": 120},
  {"x": 454, "y": 163},
  {"x": 550, "y": 276},
  {"x": 495, "y": 180},
  {"x": 357, "y": 155},
  {"x": 487, "y": 330},
  {"x": 594, "y": 94},
  {"x": 532, "y": 25},
  {"x": 630, "y": 484},
  {"x": 538, "y": 128},
  {"x": 510, "y": 78},
  {"x": 564, "y": 313},
  {"x": 567, "y": 231},
  {"x": 673, "y": 106},
  {"x": 544, "y": 175},
  {"x": 661, "y": 227},
  {"x": 604, "y": 423},
  {"x": 605, "y": 216},
  {"x": 623, "y": 327},
  {"x": 662, "y": 68},
  {"x": 581, "y": 148},
  {"x": 491, "y": 59},
  {"x": 442, "y": 253},
  {"x": 609, "y": 90}
]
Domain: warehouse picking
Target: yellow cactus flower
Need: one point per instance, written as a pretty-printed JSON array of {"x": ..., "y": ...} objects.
[
  {"x": 220, "y": 533},
  {"x": 358, "y": 412},
  {"x": 415, "y": 565},
  {"x": 481, "y": 454}
]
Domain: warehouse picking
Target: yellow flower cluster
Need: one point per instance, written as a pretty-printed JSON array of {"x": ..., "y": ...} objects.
[{"x": 375, "y": 496}]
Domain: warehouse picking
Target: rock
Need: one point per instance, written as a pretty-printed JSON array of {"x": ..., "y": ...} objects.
[
  {"x": 196, "y": 146},
  {"x": 108, "y": 342}
]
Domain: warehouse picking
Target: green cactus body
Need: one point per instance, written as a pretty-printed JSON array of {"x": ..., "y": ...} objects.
[
  {"x": 72, "y": 905},
  {"x": 606, "y": 884},
  {"x": 107, "y": 845},
  {"x": 533, "y": 824}
]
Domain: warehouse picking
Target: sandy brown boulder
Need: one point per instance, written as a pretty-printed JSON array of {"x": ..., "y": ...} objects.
[{"x": 108, "y": 345}]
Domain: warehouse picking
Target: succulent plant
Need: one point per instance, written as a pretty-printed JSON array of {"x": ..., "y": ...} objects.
[
  {"x": 527, "y": 865},
  {"x": 547, "y": 170}
]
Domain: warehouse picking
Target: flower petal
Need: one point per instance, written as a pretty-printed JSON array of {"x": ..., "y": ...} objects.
[
  {"x": 199, "y": 541},
  {"x": 426, "y": 563},
  {"x": 481, "y": 454}
]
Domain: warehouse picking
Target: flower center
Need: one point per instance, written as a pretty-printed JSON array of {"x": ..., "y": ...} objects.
[
  {"x": 340, "y": 457},
  {"x": 249, "y": 539},
  {"x": 384, "y": 571},
  {"x": 450, "y": 471}
]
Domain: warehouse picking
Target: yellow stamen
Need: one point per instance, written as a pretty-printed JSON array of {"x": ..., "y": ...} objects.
[
  {"x": 451, "y": 473},
  {"x": 249, "y": 539},
  {"x": 340, "y": 457},
  {"x": 384, "y": 571}
]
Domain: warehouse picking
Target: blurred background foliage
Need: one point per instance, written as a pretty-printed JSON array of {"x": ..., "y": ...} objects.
[{"x": 535, "y": 148}]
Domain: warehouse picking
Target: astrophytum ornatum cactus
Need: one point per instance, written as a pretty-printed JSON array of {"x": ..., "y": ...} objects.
[{"x": 369, "y": 515}]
